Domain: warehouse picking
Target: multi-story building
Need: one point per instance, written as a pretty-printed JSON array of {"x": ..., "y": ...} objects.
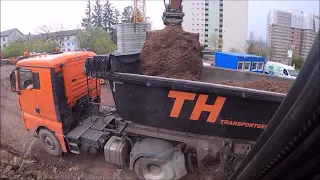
[
  {"x": 9, "y": 36},
  {"x": 289, "y": 31},
  {"x": 216, "y": 20},
  {"x": 65, "y": 39}
]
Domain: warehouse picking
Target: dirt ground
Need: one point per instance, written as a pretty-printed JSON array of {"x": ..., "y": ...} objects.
[{"x": 38, "y": 164}]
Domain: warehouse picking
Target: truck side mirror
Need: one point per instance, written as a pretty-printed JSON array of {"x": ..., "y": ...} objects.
[{"x": 13, "y": 81}]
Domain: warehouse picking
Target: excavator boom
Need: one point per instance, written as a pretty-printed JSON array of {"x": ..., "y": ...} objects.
[{"x": 173, "y": 14}]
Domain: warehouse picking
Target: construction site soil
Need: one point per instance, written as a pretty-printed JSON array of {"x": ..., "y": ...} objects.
[
  {"x": 172, "y": 53},
  {"x": 273, "y": 86}
]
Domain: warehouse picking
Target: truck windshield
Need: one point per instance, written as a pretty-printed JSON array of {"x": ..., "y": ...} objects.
[{"x": 293, "y": 73}]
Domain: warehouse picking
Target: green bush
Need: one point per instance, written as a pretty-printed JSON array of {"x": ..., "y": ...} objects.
[
  {"x": 17, "y": 48},
  {"x": 95, "y": 39}
]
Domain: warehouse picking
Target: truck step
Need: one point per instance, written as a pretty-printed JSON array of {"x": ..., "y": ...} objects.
[
  {"x": 73, "y": 144},
  {"x": 75, "y": 152}
]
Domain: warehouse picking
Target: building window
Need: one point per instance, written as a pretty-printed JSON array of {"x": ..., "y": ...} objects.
[
  {"x": 206, "y": 19},
  {"x": 260, "y": 66},
  {"x": 192, "y": 24},
  {"x": 68, "y": 49},
  {"x": 247, "y": 66},
  {"x": 207, "y": 4},
  {"x": 68, "y": 38},
  {"x": 4, "y": 46},
  {"x": 240, "y": 65},
  {"x": 206, "y": 30},
  {"x": 206, "y": 14},
  {"x": 62, "y": 44},
  {"x": 221, "y": 15},
  {"x": 206, "y": 35},
  {"x": 197, "y": 24},
  {"x": 3, "y": 39},
  {"x": 206, "y": 40},
  {"x": 206, "y": 25},
  {"x": 254, "y": 66},
  {"x": 68, "y": 44}
]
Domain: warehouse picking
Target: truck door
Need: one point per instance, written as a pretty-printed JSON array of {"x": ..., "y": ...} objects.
[{"x": 27, "y": 96}]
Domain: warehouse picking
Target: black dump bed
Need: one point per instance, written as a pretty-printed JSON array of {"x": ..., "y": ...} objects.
[{"x": 188, "y": 106}]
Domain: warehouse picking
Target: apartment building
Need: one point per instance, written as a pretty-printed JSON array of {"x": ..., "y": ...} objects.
[
  {"x": 65, "y": 39},
  {"x": 217, "y": 19},
  {"x": 10, "y": 36},
  {"x": 290, "y": 30}
]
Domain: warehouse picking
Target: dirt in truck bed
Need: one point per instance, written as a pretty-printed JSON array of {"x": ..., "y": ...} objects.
[
  {"x": 273, "y": 86},
  {"x": 172, "y": 53}
]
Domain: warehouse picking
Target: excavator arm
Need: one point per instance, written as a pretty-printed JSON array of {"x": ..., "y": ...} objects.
[{"x": 173, "y": 14}]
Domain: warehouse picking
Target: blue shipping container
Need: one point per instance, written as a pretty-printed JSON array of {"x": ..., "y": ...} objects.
[{"x": 239, "y": 61}]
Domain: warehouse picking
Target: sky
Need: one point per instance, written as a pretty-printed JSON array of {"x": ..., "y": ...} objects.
[{"x": 27, "y": 16}]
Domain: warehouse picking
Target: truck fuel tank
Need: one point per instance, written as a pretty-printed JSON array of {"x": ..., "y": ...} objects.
[{"x": 116, "y": 151}]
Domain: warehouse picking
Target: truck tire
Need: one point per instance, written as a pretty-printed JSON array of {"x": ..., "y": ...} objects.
[
  {"x": 50, "y": 142},
  {"x": 150, "y": 168}
]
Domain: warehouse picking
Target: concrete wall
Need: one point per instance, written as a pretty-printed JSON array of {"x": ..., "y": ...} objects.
[{"x": 216, "y": 75}]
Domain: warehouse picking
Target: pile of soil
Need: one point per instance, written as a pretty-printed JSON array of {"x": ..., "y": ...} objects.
[
  {"x": 172, "y": 53},
  {"x": 280, "y": 87}
]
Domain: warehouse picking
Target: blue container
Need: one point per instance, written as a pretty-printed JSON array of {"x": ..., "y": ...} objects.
[{"x": 239, "y": 61}]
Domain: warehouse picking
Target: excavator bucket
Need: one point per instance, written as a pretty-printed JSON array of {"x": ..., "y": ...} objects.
[{"x": 173, "y": 14}]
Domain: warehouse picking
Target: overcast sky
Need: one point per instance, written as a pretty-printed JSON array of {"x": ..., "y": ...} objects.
[{"x": 28, "y": 15}]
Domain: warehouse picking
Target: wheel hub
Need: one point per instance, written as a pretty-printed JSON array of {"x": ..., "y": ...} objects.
[
  {"x": 154, "y": 172},
  {"x": 49, "y": 143}
]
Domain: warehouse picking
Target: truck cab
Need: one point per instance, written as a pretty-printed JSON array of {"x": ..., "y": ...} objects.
[{"x": 52, "y": 91}]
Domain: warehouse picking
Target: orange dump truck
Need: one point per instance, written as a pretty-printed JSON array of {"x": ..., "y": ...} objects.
[{"x": 161, "y": 127}]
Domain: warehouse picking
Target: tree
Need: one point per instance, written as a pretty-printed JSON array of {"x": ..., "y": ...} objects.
[
  {"x": 127, "y": 15},
  {"x": 270, "y": 52},
  {"x": 110, "y": 19},
  {"x": 45, "y": 30},
  {"x": 250, "y": 43},
  {"x": 216, "y": 42},
  {"x": 97, "y": 14},
  {"x": 95, "y": 39},
  {"x": 257, "y": 46},
  {"x": 59, "y": 34},
  {"x": 87, "y": 20},
  {"x": 297, "y": 60},
  {"x": 17, "y": 48},
  {"x": 232, "y": 49},
  {"x": 107, "y": 15}
]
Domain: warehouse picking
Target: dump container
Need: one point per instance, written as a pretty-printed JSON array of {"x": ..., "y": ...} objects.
[{"x": 190, "y": 106}]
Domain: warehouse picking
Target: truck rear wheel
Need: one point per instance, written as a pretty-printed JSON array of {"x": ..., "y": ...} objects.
[
  {"x": 50, "y": 142},
  {"x": 149, "y": 168}
]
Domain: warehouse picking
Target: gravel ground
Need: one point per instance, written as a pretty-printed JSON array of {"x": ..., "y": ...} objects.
[{"x": 15, "y": 149}]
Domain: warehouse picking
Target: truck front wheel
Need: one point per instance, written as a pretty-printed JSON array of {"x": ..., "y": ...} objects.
[
  {"x": 50, "y": 142},
  {"x": 150, "y": 168}
]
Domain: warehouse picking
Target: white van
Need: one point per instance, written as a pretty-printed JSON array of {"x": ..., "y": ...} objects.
[{"x": 278, "y": 69}]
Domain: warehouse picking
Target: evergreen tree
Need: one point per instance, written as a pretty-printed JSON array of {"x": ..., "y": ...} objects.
[
  {"x": 97, "y": 14},
  {"x": 107, "y": 15},
  {"x": 127, "y": 15},
  {"x": 87, "y": 20}
]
